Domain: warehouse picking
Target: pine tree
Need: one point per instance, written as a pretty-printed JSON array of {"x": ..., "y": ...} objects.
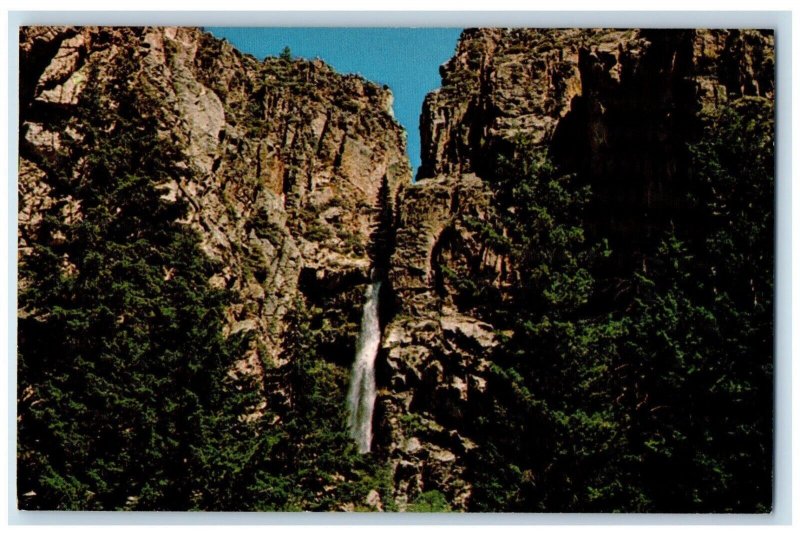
[
  {"x": 122, "y": 361},
  {"x": 323, "y": 464},
  {"x": 382, "y": 239},
  {"x": 539, "y": 431},
  {"x": 660, "y": 402}
]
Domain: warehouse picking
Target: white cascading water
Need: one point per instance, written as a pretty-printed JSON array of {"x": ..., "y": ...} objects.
[{"x": 361, "y": 397}]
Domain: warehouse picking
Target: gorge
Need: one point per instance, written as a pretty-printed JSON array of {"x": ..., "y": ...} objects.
[{"x": 232, "y": 295}]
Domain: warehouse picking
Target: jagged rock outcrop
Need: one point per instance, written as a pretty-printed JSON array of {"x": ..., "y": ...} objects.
[
  {"x": 289, "y": 166},
  {"x": 284, "y": 158},
  {"x": 502, "y": 84},
  {"x": 615, "y": 106},
  {"x": 432, "y": 354}
]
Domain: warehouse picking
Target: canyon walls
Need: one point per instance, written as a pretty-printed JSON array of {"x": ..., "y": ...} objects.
[{"x": 296, "y": 179}]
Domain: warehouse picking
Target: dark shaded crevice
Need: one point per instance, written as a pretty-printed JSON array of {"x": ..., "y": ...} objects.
[
  {"x": 443, "y": 243},
  {"x": 33, "y": 65},
  {"x": 628, "y": 140},
  {"x": 337, "y": 161}
]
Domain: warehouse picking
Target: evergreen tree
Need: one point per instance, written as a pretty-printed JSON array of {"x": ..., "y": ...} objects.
[
  {"x": 122, "y": 361},
  {"x": 323, "y": 464},
  {"x": 701, "y": 328},
  {"x": 660, "y": 403},
  {"x": 541, "y": 436},
  {"x": 382, "y": 239}
]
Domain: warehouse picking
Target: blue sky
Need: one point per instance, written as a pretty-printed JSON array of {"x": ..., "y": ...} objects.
[{"x": 405, "y": 59}]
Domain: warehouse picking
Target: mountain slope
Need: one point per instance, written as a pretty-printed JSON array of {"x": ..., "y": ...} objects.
[{"x": 575, "y": 293}]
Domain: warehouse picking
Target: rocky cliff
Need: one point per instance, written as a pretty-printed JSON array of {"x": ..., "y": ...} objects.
[
  {"x": 292, "y": 170},
  {"x": 615, "y": 106},
  {"x": 284, "y": 159}
]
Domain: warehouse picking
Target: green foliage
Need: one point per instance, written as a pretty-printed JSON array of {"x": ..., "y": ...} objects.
[
  {"x": 412, "y": 423},
  {"x": 429, "y": 501},
  {"x": 353, "y": 243},
  {"x": 382, "y": 239},
  {"x": 127, "y": 397},
  {"x": 318, "y": 232},
  {"x": 661, "y": 402},
  {"x": 323, "y": 468},
  {"x": 543, "y": 215},
  {"x": 266, "y": 228},
  {"x": 121, "y": 354},
  {"x": 286, "y": 54},
  {"x": 543, "y": 369},
  {"x": 703, "y": 327}
]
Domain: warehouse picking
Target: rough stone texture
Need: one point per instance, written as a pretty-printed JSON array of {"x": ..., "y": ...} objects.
[
  {"x": 286, "y": 157},
  {"x": 433, "y": 356},
  {"x": 503, "y": 83},
  {"x": 616, "y": 106},
  {"x": 429, "y": 213}
]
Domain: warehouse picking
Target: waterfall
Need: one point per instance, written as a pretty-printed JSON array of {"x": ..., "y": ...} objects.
[{"x": 361, "y": 396}]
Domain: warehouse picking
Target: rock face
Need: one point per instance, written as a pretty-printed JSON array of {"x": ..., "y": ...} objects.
[
  {"x": 286, "y": 162},
  {"x": 432, "y": 353},
  {"x": 284, "y": 158},
  {"x": 502, "y": 84},
  {"x": 617, "y": 107}
]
